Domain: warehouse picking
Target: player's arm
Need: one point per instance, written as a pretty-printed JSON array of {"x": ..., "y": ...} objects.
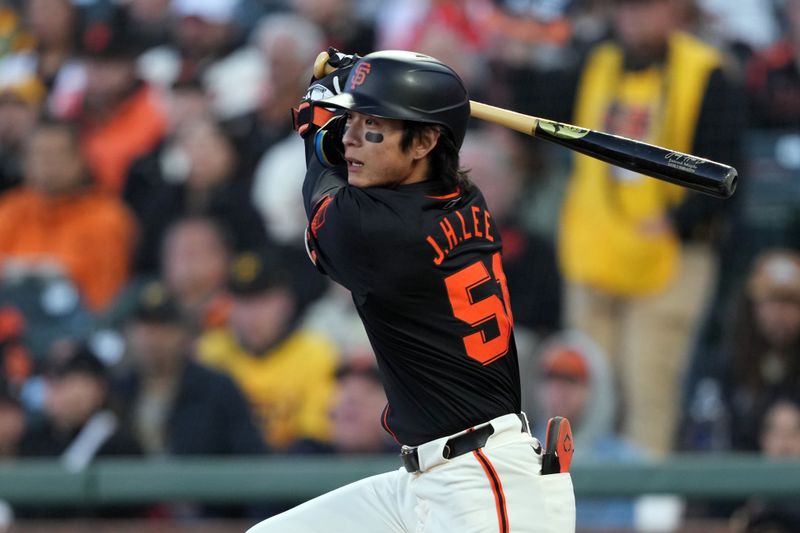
[
  {"x": 334, "y": 237},
  {"x": 322, "y": 181},
  {"x": 322, "y": 131}
]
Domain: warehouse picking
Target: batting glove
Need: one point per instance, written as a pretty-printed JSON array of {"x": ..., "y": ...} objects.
[{"x": 330, "y": 73}]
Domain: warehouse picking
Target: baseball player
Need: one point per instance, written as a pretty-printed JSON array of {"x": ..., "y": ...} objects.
[{"x": 394, "y": 219}]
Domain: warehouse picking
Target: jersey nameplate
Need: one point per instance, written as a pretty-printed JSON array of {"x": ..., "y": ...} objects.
[{"x": 457, "y": 227}]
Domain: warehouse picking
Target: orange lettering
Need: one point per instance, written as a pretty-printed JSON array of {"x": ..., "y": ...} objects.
[
  {"x": 449, "y": 233},
  {"x": 439, "y": 253},
  {"x": 466, "y": 234},
  {"x": 475, "y": 210},
  {"x": 486, "y": 216},
  {"x": 360, "y": 75},
  {"x": 476, "y": 313}
]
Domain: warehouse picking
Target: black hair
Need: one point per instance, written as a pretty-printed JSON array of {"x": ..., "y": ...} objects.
[{"x": 444, "y": 163}]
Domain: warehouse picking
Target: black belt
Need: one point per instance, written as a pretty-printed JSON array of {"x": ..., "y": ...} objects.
[{"x": 464, "y": 443}]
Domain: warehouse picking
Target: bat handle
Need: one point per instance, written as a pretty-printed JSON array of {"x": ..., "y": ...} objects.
[
  {"x": 511, "y": 119},
  {"x": 321, "y": 66}
]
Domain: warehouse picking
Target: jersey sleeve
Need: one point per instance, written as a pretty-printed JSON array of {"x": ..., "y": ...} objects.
[
  {"x": 335, "y": 235},
  {"x": 320, "y": 183}
]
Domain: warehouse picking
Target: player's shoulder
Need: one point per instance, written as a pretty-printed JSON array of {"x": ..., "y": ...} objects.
[
  {"x": 400, "y": 218},
  {"x": 379, "y": 213}
]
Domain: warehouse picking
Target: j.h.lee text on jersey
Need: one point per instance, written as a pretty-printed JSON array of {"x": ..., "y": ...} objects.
[{"x": 457, "y": 227}]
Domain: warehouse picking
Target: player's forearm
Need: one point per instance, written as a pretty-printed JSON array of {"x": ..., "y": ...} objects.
[{"x": 320, "y": 182}]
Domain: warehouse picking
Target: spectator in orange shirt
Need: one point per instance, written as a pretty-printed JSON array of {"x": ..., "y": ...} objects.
[
  {"x": 121, "y": 116},
  {"x": 58, "y": 219}
]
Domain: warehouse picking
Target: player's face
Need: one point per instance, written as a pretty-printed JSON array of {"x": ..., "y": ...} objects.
[{"x": 372, "y": 149}]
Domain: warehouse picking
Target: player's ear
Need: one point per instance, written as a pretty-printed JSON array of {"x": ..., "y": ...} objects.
[{"x": 425, "y": 142}]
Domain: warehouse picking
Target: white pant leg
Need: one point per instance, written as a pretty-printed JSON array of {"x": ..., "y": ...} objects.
[
  {"x": 497, "y": 490},
  {"x": 459, "y": 495},
  {"x": 379, "y": 503}
]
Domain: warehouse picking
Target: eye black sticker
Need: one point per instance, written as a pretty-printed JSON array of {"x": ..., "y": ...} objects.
[{"x": 374, "y": 137}]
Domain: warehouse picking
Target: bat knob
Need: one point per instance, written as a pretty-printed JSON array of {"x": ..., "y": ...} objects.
[{"x": 320, "y": 64}]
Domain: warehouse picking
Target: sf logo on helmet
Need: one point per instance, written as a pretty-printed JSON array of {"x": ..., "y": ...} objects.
[{"x": 360, "y": 75}]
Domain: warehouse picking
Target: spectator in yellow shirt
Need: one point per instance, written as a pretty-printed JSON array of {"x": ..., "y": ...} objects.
[{"x": 286, "y": 372}]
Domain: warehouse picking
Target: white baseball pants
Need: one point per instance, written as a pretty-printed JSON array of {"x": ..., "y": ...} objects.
[{"x": 495, "y": 489}]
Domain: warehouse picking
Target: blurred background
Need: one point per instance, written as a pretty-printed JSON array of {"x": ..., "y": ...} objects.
[{"x": 171, "y": 361}]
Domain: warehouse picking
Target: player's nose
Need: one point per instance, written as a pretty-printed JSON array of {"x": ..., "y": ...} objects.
[{"x": 352, "y": 134}]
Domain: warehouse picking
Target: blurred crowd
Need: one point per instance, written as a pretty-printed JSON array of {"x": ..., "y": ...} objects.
[{"x": 155, "y": 296}]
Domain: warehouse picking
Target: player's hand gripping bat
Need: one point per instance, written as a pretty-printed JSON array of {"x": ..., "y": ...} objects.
[{"x": 703, "y": 175}]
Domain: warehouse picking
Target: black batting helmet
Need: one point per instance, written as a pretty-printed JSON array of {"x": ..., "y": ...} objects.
[{"x": 406, "y": 86}]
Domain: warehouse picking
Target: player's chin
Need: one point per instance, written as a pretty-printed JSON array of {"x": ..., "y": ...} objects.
[{"x": 358, "y": 179}]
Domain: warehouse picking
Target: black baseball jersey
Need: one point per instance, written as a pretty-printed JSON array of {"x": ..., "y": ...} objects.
[{"x": 423, "y": 265}]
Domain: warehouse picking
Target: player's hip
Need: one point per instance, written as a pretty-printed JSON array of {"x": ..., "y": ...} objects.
[
  {"x": 495, "y": 487},
  {"x": 494, "y": 434}
]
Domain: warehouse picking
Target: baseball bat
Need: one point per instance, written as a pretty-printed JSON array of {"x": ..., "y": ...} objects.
[{"x": 696, "y": 173}]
